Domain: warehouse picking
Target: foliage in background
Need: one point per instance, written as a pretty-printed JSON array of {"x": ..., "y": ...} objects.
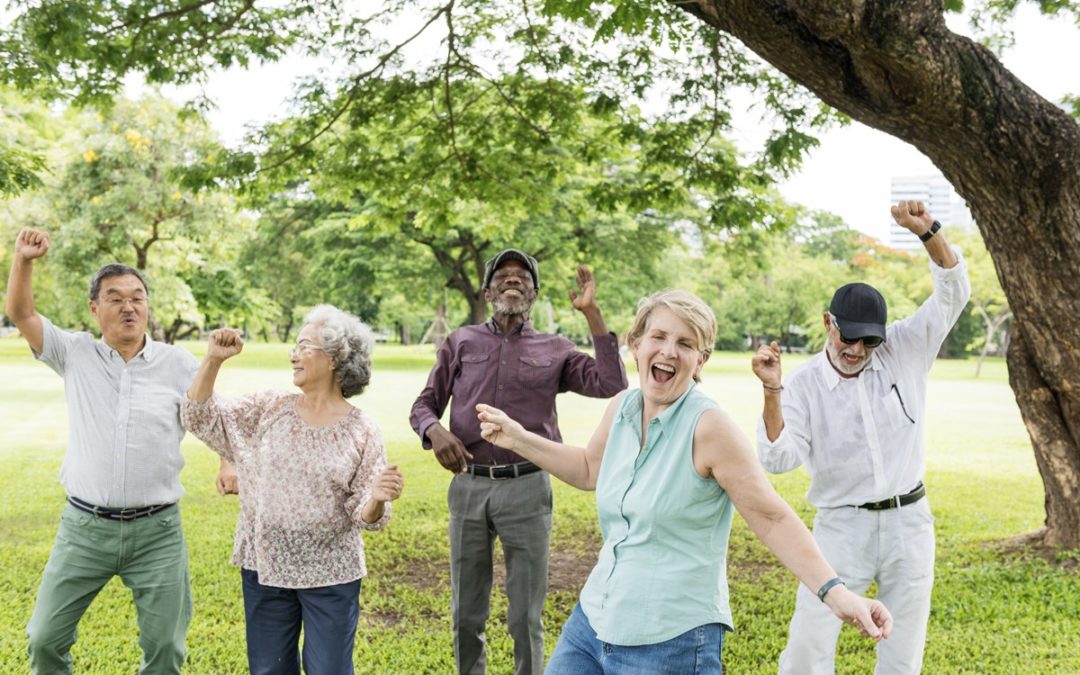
[{"x": 116, "y": 194}]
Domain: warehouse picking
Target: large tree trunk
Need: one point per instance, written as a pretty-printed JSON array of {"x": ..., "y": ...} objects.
[{"x": 1014, "y": 156}]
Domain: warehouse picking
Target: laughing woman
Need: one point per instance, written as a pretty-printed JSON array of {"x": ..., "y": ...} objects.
[
  {"x": 313, "y": 474},
  {"x": 668, "y": 467}
]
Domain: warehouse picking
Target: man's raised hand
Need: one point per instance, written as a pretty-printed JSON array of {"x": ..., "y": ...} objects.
[
  {"x": 913, "y": 216},
  {"x": 584, "y": 298},
  {"x": 766, "y": 364},
  {"x": 31, "y": 244}
]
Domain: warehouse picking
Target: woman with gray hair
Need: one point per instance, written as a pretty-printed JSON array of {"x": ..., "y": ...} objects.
[{"x": 313, "y": 474}]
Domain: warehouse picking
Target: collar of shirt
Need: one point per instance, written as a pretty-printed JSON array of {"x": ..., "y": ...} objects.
[
  {"x": 147, "y": 351},
  {"x": 832, "y": 378},
  {"x": 525, "y": 328},
  {"x": 634, "y": 408}
]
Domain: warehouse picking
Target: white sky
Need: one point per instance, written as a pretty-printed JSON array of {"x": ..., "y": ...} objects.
[{"x": 848, "y": 174}]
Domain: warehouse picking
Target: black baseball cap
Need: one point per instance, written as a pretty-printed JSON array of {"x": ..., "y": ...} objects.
[
  {"x": 859, "y": 310},
  {"x": 512, "y": 254}
]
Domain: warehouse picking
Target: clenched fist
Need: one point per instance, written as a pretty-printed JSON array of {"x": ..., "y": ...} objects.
[
  {"x": 224, "y": 343},
  {"x": 31, "y": 244},
  {"x": 913, "y": 216},
  {"x": 388, "y": 485}
]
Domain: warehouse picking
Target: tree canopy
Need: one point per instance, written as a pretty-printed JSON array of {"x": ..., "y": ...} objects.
[{"x": 464, "y": 123}]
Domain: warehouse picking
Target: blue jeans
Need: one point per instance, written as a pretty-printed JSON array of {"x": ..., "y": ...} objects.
[
  {"x": 273, "y": 615},
  {"x": 579, "y": 652}
]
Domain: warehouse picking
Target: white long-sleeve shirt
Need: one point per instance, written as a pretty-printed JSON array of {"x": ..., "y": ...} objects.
[{"x": 862, "y": 439}]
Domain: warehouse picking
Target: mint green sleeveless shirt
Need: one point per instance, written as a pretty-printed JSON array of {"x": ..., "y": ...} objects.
[{"x": 663, "y": 567}]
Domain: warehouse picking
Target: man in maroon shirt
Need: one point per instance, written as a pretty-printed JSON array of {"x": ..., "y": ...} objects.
[{"x": 494, "y": 492}]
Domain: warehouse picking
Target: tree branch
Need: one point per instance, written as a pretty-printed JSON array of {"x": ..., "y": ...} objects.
[{"x": 354, "y": 90}]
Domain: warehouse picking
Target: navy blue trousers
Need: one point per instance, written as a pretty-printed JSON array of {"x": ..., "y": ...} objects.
[{"x": 274, "y": 616}]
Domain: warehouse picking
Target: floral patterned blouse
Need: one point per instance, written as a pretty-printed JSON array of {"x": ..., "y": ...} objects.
[{"x": 302, "y": 488}]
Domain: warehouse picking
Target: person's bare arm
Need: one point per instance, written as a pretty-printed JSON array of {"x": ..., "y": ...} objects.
[
  {"x": 30, "y": 245},
  {"x": 571, "y": 464},
  {"x": 724, "y": 452}
]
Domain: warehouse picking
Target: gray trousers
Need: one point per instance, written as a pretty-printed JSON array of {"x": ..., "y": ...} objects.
[{"x": 518, "y": 512}]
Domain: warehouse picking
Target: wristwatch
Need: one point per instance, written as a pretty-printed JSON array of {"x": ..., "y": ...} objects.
[{"x": 925, "y": 236}]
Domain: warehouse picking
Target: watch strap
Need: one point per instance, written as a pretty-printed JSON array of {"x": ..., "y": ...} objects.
[{"x": 925, "y": 236}]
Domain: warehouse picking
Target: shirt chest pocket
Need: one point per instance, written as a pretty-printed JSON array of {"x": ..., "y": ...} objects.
[
  {"x": 897, "y": 414},
  {"x": 538, "y": 372},
  {"x": 474, "y": 360},
  {"x": 473, "y": 373}
]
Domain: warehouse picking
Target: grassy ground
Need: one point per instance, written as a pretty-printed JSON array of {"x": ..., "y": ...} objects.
[{"x": 993, "y": 612}]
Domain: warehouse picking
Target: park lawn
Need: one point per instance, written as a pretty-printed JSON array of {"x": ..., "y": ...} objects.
[{"x": 993, "y": 612}]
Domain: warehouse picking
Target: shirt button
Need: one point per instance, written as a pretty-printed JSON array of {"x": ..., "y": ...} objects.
[
  {"x": 502, "y": 363},
  {"x": 500, "y": 386}
]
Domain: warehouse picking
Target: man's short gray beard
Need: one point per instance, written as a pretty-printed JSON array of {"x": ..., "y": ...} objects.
[
  {"x": 511, "y": 308},
  {"x": 838, "y": 362}
]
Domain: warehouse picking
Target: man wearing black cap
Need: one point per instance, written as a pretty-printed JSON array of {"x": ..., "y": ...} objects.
[
  {"x": 855, "y": 415},
  {"x": 494, "y": 492}
]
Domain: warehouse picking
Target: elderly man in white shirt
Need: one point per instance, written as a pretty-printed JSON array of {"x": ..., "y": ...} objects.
[
  {"x": 122, "y": 468},
  {"x": 854, "y": 414}
]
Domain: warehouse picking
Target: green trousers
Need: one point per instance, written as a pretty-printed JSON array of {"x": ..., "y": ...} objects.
[{"x": 150, "y": 557}]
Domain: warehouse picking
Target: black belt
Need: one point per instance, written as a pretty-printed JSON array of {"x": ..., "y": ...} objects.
[
  {"x": 900, "y": 500},
  {"x": 118, "y": 514},
  {"x": 498, "y": 471}
]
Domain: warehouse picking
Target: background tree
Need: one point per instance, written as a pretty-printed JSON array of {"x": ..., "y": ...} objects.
[
  {"x": 988, "y": 300},
  {"x": 1014, "y": 156},
  {"x": 118, "y": 196},
  {"x": 893, "y": 65}
]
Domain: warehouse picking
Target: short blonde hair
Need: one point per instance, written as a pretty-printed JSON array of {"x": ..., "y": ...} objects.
[{"x": 688, "y": 307}]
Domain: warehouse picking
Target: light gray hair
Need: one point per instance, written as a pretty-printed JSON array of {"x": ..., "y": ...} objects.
[{"x": 348, "y": 342}]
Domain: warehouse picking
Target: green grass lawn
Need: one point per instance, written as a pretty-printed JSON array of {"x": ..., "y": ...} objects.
[{"x": 992, "y": 612}]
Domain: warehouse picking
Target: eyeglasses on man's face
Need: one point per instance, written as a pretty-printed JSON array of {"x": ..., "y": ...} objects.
[{"x": 869, "y": 341}]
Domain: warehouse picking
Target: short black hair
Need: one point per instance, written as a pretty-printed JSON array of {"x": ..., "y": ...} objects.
[{"x": 114, "y": 270}]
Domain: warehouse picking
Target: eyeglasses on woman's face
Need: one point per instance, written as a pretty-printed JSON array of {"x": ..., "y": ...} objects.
[{"x": 305, "y": 347}]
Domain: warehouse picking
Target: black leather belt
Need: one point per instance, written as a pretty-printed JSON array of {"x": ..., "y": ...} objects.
[
  {"x": 118, "y": 514},
  {"x": 900, "y": 500},
  {"x": 500, "y": 471}
]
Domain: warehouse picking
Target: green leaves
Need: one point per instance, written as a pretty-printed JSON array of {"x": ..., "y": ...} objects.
[
  {"x": 83, "y": 50},
  {"x": 19, "y": 171}
]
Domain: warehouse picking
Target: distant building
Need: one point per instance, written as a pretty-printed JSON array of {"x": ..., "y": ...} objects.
[{"x": 940, "y": 198}]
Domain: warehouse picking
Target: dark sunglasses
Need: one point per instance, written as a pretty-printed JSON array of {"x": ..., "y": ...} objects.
[{"x": 870, "y": 341}]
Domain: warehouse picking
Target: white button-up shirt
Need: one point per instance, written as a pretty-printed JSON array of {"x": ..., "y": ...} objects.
[
  {"x": 124, "y": 428},
  {"x": 862, "y": 439}
]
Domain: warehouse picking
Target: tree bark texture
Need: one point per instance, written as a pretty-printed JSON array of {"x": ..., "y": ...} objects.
[{"x": 1014, "y": 156}]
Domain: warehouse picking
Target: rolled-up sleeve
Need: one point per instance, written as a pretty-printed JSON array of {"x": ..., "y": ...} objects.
[
  {"x": 55, "y": 345},
  {"x": 601, "y": 376},
  {"x": 793, "y": 443},
  {"x": 920, "y": 336}
]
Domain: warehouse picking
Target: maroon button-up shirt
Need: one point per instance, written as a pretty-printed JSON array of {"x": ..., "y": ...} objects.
[{"x": 520, "y": 373}]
